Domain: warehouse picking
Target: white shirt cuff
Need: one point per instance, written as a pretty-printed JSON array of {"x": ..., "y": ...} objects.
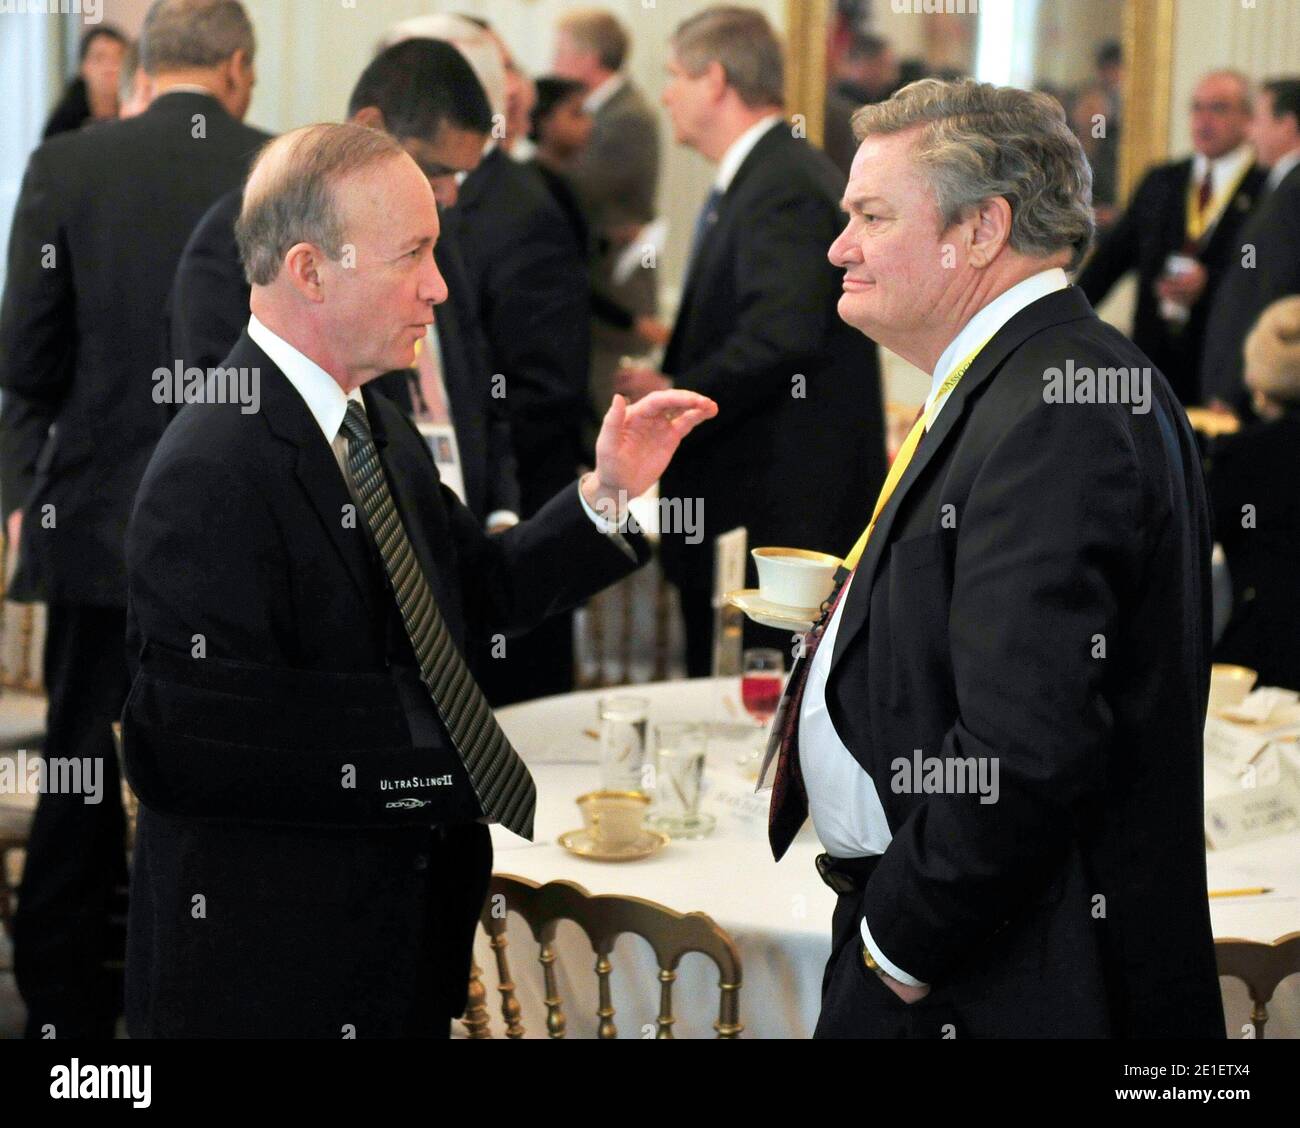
[
  {"x": 886, "y": 966},
  {"x": 612, "y": 529},
  {"x": 604, "y": 524},
  {"x": 505, "y": 517}
]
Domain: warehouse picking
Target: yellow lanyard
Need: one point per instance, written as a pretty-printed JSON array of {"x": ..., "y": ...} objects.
[
  {"x": 1198, "y": 221},
  {"x": 906, "y": 451}
]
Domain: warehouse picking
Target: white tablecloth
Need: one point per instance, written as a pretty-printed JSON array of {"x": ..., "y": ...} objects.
[{"x": 779, "y": 915}]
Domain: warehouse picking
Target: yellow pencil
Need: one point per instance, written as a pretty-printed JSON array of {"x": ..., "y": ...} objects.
[{"x": 1253, "y": 892}]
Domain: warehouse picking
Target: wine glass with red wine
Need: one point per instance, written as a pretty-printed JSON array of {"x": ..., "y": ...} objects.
[{"x": 761, "y": 677}]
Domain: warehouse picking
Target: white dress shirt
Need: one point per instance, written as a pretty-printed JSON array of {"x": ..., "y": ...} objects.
[
  {"x": 843, "y": 800},
  {"x": 1278, "y": 172},
  {"x": 603, "y": 93},
  {"x": 1224, "y": 171},
  {"x": 440, "y": 436},
  {"x": 328, "y": 404},
  {"x": 185, "y": 88},
  {"x": 740, "y": 148}
]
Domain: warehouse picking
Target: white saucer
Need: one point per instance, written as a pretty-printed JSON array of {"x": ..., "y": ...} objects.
[{"x": 775, "y": 615}]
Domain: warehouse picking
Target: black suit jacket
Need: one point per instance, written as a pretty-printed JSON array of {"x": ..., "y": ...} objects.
[
  {"x": 80, "y": 341},
  {"x": 1152, "y": 228},
  {"x": 528, "y": 280},
  {"x": 268, "y": 663},
  {"x": 1263, "y": 266},
  {"x": 209, "y": 310},
  {"x": 1260, "y": 467},
  {"x": 1036, "y": 596},
  {"x": 798, "y": 391},
  {"x": 603, "y": 307}
]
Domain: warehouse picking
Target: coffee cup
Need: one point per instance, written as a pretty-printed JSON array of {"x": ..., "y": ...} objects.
[
  {"x": 1230, "y": 685},
  {"x": 795, "y": 577},
  {"x": 613, "y": 818}
]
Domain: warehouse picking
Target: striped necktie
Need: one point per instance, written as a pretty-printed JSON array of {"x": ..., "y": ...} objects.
[{"x": 504, "y": 788}]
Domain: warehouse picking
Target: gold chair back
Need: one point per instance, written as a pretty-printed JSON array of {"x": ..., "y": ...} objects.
[
  {"x": 22, "y": 635},
  {"x": 13, "y": 842},
  {"x": 1261, "y": 967},
  {"x": 603, "y": 918}
]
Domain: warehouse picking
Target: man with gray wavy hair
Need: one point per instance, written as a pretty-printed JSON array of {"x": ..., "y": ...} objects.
[{"x": 996, "y": 725}]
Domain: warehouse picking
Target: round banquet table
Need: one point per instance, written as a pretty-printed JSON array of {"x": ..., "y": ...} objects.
[{"x": 778, "y": 915}]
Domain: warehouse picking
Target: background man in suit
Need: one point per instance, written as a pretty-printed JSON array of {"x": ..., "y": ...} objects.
[
  {"x": 1188, "y": 213},
  {"x": 866, "y": 71},
  {"x": 98, "y": 229},
  {"x": 800, "y": 391},
  {"x": 617, "y": 179},
  {"x": 528, "y": 284},
  {"x": 313, "y": 759},
  {"x": 424, "y": 93},
  {"x": 1259, "y": 466},
  {"x": 1264, "y": 264},
  {"x": 1022, "y": 650}
]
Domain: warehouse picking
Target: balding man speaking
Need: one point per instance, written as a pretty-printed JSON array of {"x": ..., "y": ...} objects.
[
  {"x": 996, "y": 726},
  {"x": 1182, "y": 232},
  {"x": 314, "y": 761}
]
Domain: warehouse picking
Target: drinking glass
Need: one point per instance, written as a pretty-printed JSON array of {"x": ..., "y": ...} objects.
[
  {"x": 761, "y": 676},
  {"x": 680, "y": 752},
  {"x": 622, "y": 741}
]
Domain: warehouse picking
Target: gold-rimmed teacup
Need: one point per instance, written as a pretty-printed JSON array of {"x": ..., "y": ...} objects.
[
  {"x": 795, "y": 577},
  {"x": 614, "y": 818}
]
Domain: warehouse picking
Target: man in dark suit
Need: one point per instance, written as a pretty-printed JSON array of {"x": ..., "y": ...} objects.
[
  {"x": 866, "y": 71},
  {"x": 1181, "y": 233},
  {"x": 757, "y": 330},
  {"x": 529, "y": 286},
  {"x": 424, "y": 93},
  {"x": 1264, "y": 264},
  {"x": 99, "y": 226},
  {"x": 617, "y": 179},
  {"x": 314, "y": 762},
  {"x": 997, "y": 723}
]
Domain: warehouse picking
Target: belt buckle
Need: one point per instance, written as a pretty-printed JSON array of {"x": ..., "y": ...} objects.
[{"x": 838, "y": 882}]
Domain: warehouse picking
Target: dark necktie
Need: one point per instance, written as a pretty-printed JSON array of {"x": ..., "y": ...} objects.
[
  {"x": 703, "y": 225},
  {"x": 1199, "y": 223},
  {"x": 504, "y": 788},
  {"x": 789, "y": 808},
  {"x": 1204, "y": 196}
]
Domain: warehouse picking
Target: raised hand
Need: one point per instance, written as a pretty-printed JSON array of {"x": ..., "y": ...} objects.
[{"x": 637, "y": 441}]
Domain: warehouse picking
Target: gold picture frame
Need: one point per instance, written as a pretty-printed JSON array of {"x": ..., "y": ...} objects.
[
  {"x": 1148, "y": 87},
  {"x": 1148, "y": 79},
  {"x": 806, "y": 26}
]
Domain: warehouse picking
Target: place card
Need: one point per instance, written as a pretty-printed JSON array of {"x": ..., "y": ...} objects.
[
  {"x": 730, "y": 797},
  {"x": 1232, "y": 746},
  {"x": 1250, "y": 813}
]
